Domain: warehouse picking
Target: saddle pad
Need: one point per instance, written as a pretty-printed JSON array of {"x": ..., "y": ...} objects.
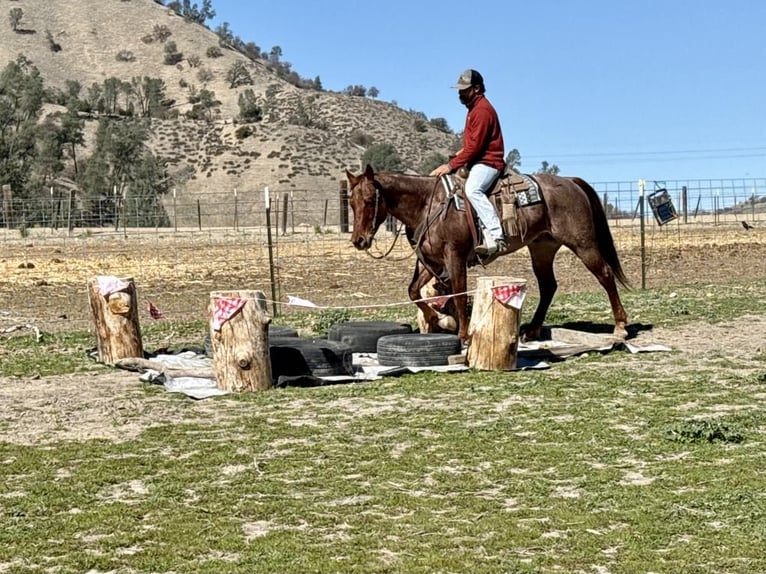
[
  {"x": 450, "y": 188},
  {"x": 531, "y": 195}
]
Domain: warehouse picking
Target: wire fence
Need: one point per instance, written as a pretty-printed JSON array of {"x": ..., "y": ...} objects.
[
  {"x": 702, "y": 231},
  {"x": 707, "y": 202}
]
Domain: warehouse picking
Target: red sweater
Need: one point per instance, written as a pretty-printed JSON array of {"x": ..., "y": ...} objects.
[{"x": 482, "y": 138}]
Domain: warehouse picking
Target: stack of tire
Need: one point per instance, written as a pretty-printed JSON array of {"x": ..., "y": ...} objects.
[
  {"x": 362, "y": 336},
  {"x": 396, "y": 344},
  {"x": 418, "y": 349},
  {"x": 294, "y": 357}
]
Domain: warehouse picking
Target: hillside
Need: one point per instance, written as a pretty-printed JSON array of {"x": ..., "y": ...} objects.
[{"x": 304, "y": 155}]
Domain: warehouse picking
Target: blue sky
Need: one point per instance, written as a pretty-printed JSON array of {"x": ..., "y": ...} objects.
[{"x": 610, "y": 90}]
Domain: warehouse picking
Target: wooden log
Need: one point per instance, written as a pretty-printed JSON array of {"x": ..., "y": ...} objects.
[
  {"x": 239, "y": 333},
  {"x": 114, "y": 303},
  {"x": 493, "y": 331}
]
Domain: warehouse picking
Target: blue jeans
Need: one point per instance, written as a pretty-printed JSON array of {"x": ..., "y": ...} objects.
[{"x": 480, "y": 178}]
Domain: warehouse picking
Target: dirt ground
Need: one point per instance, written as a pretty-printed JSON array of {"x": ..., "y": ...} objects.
[
  {"x": 43, "y": 278},
  {"x": 114, "y": 406},
  {"x": 42, "y": 283}
]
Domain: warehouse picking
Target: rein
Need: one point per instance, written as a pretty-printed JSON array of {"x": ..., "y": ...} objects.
[
  {"x": 422, "y": 229},
  {"x": 396, "y": 237},
  {"x": 390, "y": 249}
]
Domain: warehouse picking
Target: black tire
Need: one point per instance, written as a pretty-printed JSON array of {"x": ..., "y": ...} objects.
[
  {"x": 281, "y": 331},
  {"x": 274, "y": 331},
  {"x": 417, "y": 349},
  {"x": 362, "y": 336},
  {"x": 293, "y": 356}
]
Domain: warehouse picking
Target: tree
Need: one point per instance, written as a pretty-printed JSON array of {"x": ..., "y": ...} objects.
[
  {"x": 547, "y": 168},
  {"x": 441, "y": 125},
  {"x": 21, "y": 99},
  {"x": 225, "y": 35},
  {"x": 47, "y": 162},
  {"x": 373, "y": 92},
  {"x": 431, "y": 162},
  {"x": 192, "y": 12},
  {"x": 249, "y": 110},
  {"x": 123, "y": 172},
  {"x": 275, "y": 54},
  {"x": 238, "y": 75},
  {"x": 150, "y": 93},
  {"x": 72, "y": 136},
  {"x": 513, "y": 159},
  {"x": 15, "y": 16},
  {"x": 382, "y": 157},
  {"x": 356, "y": 90},
  {"x": 204, "y": 105}
]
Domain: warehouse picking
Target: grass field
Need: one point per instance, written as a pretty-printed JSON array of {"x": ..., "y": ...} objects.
[{"x": 604, "y": 463}]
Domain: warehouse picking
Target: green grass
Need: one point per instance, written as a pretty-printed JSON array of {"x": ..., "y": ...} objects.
[{"x": 635, "y": 463}]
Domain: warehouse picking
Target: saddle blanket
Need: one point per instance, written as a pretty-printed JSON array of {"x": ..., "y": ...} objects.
[
  {"x": 531, "y": 195},
  {"x": 525, "y": 187}
]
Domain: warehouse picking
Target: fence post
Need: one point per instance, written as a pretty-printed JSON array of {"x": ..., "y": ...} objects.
[
  {"x": 641, "y": 186},
  {"x": 684, "y": 203},
  {"x": 7, "y": 204},
  {"x": 69, "y": 212},
  {"x": 271, "y": 251},
  {"x": 236, "y": 212},
  {"x": 343, "y": 196},
  {"x": 285, "y": 200},
  {"x": 199, "y": 216},
  {"x": 175, "y": 212}
]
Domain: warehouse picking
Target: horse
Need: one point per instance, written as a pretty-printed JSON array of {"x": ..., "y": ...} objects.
[{"x": 570, "y": 215}]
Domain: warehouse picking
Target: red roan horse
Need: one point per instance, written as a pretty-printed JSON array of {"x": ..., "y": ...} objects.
[{"x": 570, "y": 214}]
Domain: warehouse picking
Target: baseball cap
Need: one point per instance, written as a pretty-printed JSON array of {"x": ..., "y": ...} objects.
[{"x": 467, "y": 79}]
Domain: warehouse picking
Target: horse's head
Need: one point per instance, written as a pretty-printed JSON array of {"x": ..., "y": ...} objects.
[{"x": 368, "y": 207}]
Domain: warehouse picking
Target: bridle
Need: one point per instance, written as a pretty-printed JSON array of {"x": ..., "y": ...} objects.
[{"x": 374, "y": 221}]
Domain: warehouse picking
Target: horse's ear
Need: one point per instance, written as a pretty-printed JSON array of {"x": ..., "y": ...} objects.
[
  {"x": 350, "y": 176},
  {"x": 369, "y": 173}
]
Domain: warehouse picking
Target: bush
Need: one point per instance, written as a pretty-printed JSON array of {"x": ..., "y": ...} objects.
[
  {"x": 125, "y": 56},
  {"x": 360, "y": 138},
  {"x": 161, "y": 32},
  {"x": 420, "y": 125},
  {"x": 194, "y": 61},
  {"x": 52, "y": 44},
  {"x": 214, "y": 52},
  {"x": 205, "y": 75},
  {"x": 383, "y": 157},
  {"x": 172, "y": 55},
  {"x": 243, "y": 132}
]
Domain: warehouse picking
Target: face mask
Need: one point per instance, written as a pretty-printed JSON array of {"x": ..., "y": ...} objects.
[{"x": 466, "y": 96}]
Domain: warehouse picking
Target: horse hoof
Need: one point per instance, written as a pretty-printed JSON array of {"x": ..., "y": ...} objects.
[
  {"x": 530, "y": 334},
  {"x": 447, "y": 323},
  {"x": 620, "y": 333}
]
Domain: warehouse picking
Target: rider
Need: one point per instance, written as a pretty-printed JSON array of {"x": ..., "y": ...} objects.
[{"x": 483, "y": 154}]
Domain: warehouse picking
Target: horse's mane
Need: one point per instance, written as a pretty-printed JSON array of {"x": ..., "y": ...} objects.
[{"x": 410, "y": 181}]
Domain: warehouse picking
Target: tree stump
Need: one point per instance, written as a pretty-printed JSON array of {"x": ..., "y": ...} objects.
[
  {"x": 239, "y": 333},
  {"x": 493, "y": 331},
  {"x": 114, "y": 303}
]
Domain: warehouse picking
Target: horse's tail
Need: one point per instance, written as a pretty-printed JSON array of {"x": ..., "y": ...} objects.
[{"x": 603, "y": 234}]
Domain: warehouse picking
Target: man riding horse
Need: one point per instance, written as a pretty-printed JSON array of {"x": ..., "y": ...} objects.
[{"x": 483, "y": 154}]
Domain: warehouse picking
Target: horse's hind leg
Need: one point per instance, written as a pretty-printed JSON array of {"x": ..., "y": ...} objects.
[
  {"x": 596, "y": 264},
  {"x": 542, "y": 252},
  {"x": 430, "y": 318}
]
